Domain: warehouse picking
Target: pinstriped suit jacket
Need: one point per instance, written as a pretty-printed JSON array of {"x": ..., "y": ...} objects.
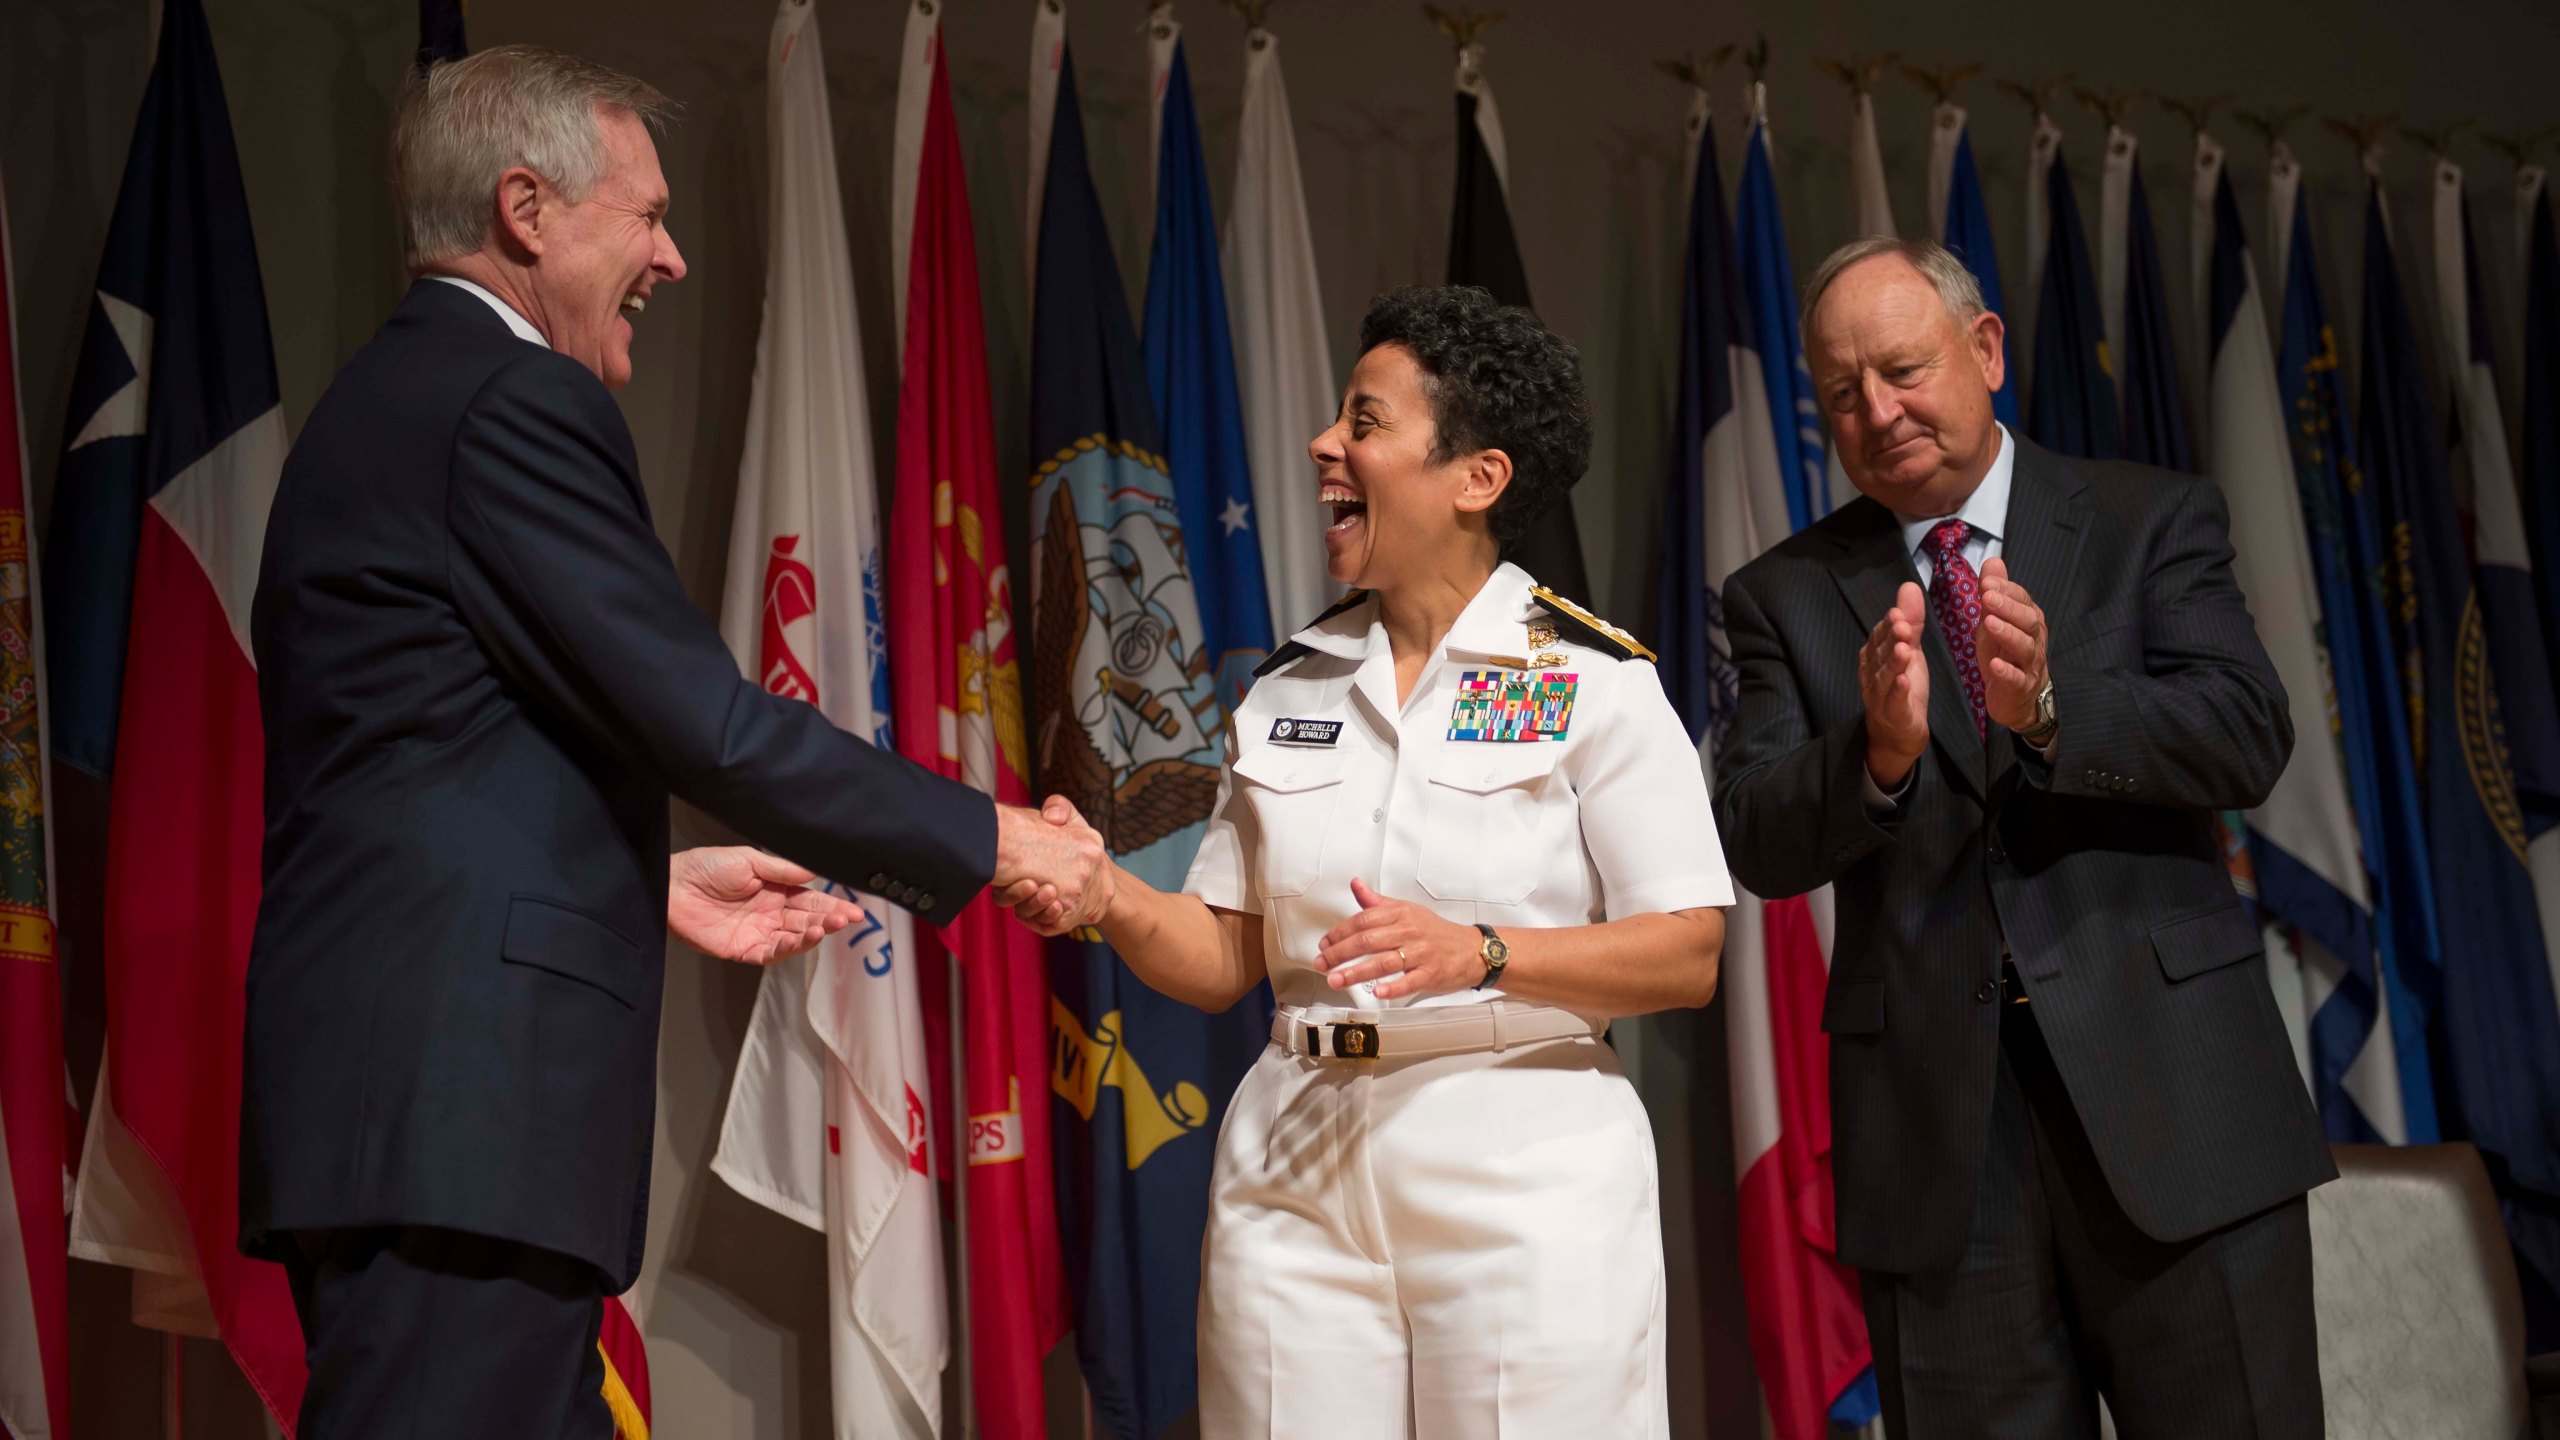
[{"x": 2098, "y": 869}]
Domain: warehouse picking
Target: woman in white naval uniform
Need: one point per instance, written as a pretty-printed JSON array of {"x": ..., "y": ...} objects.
[{"x": 1461, "y": 827}]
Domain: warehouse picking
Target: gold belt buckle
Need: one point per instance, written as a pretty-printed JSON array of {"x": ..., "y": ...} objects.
[{"x": 1355, "y": 1040}]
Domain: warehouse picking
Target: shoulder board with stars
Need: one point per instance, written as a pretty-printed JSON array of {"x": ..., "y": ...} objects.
[
  {"x": 1292, "y": 650},
  {"x": 1581, "y": 625}
]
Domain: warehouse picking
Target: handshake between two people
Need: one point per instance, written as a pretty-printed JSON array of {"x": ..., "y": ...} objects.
[{"x": 735, "y": 902}]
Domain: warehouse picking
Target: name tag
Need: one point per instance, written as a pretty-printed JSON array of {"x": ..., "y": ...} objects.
[{"x": 1305, "y": 732}]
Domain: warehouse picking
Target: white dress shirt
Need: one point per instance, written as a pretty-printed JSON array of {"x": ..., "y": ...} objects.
[
  {"x": 1328, "y": 778},
  {"x": 523, "y": 327}
]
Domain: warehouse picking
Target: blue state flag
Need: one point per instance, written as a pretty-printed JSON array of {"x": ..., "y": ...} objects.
[
  {"x": 2498, "y": 1031},
  {"x": 1967, "y": 235},
  {"x": 2345, "y": 540},
  {"x": 1125, "y": 722},
  {"x": 2071, "y": 407},
  {"x": 1191, "y": 375},
  {"x": 1769, "y": 291},
  {"x": 2155, "y": 407},
  {"x": 2538, "y": 461}
]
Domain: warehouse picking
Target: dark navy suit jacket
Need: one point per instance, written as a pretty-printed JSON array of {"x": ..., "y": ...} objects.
[
  {"x": 2097, "y": 867},
  {"x": 481, "y": 680}
]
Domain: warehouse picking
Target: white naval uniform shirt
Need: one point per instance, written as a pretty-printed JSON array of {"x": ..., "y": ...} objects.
[{"x": 1609, "y": 821}]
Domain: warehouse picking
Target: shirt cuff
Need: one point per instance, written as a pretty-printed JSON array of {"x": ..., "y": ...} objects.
[{"x": 1879, "y": 803}]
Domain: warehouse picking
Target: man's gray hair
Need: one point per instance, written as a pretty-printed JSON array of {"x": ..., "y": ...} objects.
[
  {"x": 465, "y": 122},
  {"x": 1956, "y": 287}
]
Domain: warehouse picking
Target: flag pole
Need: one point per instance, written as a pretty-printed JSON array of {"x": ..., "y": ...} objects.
[{"x": 958, "y": 1026}]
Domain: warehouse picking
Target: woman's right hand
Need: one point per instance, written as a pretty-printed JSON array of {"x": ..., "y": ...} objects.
[{"x": 1044, "y": 910}]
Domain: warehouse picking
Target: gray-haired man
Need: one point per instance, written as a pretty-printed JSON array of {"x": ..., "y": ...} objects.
[
  {"x": 1995, "y": 703},
  {"x": 481, "y": 680}
]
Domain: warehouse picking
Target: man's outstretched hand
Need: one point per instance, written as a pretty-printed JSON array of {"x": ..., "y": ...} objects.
[{"x": 736, "y": 902}]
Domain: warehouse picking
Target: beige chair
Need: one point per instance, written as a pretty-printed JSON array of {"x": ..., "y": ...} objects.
[{"x": 2421, "y": 1321}]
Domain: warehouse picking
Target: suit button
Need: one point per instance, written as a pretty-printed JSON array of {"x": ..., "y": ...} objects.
[
  {"x": 925, "y": 901},
  {"x": 1999, "y": 853},
  {"x": 1989, "y": 992},
  {"x": 879, "y": 884},
  {"x": 2088, "y": 777}
]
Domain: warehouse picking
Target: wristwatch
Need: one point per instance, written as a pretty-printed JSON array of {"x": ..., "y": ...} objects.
[
  {"x": 1497, "y": 955},
  {"x": 2046, "y": 722}
]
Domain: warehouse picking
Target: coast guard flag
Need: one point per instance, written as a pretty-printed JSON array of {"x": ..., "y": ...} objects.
[
  {"x": 2344, "y": 530},
  {"x": 174, "y": 441},
  {"x": 35, "y": 1389},
  {"x": 2495, "y": 521},
  {"x": 827, "y": 1114},
  {"x": 1283, "y": 364},
  {"x": 2071, "y": 406},
  {"x": 2306, "y": 847},
  {"x": 1725, "y": 502},
  {"x": 1191, "y": 375},
  {"x": 2135, "y": 302},
  {"x": 2538, "y": 460},
  {"x": 1125, "y": 711},
  {"x": 2500, "y": 1045},
  {"x": 1962, "y": 223},
  {"x": 1484, "y": 250},
  {"x": 1769, "y": 292},
  {"x": 957, "y": 677}
]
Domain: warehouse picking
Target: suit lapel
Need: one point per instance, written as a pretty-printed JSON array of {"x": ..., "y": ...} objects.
[
  {"x": 1872, "y": 570},
  {"x": 2041, "y": 545}
]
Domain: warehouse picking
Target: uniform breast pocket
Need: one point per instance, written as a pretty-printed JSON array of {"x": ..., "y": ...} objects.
[
  {"x": 1493, "y": 810},
  {"x": 1291, "y": 795}
]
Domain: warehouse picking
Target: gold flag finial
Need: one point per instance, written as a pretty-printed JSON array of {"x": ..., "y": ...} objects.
[
  {"x": 2519, "y": 146},
  {"x": 1695, "y": 71},
  {"x": 1859, "y": 75},
  {"x": 1942, "y": 81},
  {"x": 2271, "y": 124},
  {"x": 2038, "y": 94},
  {"x": 2438, "y": 140},
  {"x": 2197, "y": 113},
  {"x": 1464, "y": 27},
  {"x": 2365, "y": 133},
  {"x": 1756, "y": 59},
  {"x": 2112, "y": 105},
  {"x": 1253, "y": 12}
]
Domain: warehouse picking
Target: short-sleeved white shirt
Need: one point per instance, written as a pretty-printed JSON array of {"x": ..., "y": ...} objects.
[{"x": 1607, "y": 820}]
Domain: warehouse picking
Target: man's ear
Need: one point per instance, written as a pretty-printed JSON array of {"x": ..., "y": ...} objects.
[
  {"x": 1488, "y": 474},
  {"x": 1985, "y": 335},
  {"x": 523, "y": 204}
]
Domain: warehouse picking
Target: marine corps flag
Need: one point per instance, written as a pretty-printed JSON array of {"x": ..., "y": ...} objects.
[
  {"x": 35, "y": 1387},
  {"x": 173, "y": 444},
  {"x": 1126, "y": 724},
  {"x": 1483, "y": 250},
  {"x": 956, "y": 678},
  {"x": 2500, "y": 1031}
]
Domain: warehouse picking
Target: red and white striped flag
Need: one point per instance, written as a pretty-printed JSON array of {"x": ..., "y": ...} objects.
[
  {"x": 958, "y": 687},
  {"x": 35, "y": 1393},
  {"x": 827, "y": 1119}
]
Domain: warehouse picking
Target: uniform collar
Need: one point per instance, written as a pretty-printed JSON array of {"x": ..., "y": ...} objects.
[
  {"x": 1493, "y": 622},
  {"x": 1986, "y": 509}
]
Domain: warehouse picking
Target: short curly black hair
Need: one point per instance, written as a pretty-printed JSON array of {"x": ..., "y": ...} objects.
[{"x": 1498, "y": 379}]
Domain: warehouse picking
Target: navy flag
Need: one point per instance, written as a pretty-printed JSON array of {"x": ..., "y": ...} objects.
[
  {"x": 2500, "y": 1032},
  {"x": 1125, "y": 722},
  {"x": 2538, "y": 462},
  {"x": 440, "y": 32},
  {"x": 1964, "y": 227},
  {"x": 2155, "y": 408},
  {"x": 2071, "y": 406}
]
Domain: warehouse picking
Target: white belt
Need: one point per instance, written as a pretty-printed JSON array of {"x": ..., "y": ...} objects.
[{"x": 1413, "y": 1034}]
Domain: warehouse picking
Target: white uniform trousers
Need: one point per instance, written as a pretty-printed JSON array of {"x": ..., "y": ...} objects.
[{"x": 1458, "y": 1247}]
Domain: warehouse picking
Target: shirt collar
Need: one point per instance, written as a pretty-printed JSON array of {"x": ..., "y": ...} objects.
[
  {"x": 1986, "y": 509},
  {"x": 1491, "y": 624},
  {"x": 521, "y": 326}
]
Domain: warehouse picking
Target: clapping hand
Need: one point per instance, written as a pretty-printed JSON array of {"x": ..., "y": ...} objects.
[
  {"x": 1893, "y": 681},
  {"x": 736, "y": 902},
  {"x": 2011, "y": 645},
  {"x": 1052, "y": 868}
]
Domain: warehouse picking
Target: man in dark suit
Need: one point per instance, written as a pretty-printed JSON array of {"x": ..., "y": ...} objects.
[
  {"x": 1995, "y": 704},
  {"x": 481, "y": 680}
]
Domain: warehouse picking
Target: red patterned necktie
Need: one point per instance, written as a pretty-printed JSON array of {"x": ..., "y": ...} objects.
[{"x": 1955, "y": 597}]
